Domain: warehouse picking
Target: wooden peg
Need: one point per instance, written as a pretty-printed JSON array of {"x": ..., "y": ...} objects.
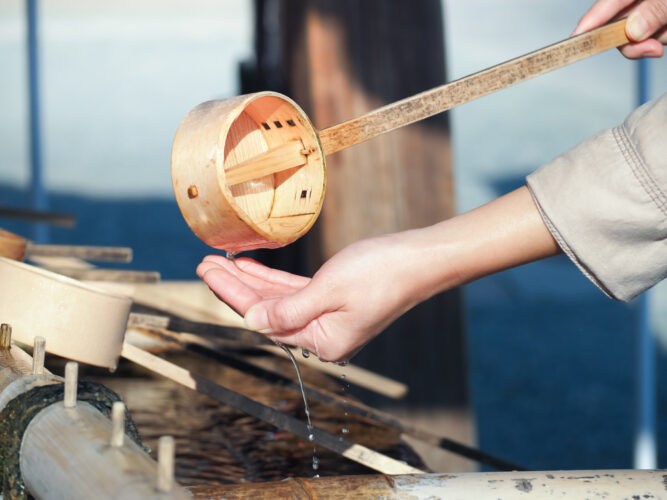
[
  {"x": 5, "y": 336},
  {"x": 117, "y": 424},
  {"x": 38, "y": 356},
  {"x": 165, "y": 464},
  {"x": 71, "y": 381}
]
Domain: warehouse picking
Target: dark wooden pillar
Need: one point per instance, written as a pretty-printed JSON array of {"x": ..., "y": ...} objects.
[{"x": 341, "y": 58}]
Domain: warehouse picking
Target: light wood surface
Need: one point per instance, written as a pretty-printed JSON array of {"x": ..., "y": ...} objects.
[{"x": 431, "y": 102}]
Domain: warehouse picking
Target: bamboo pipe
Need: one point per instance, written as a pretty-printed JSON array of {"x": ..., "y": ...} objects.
[
  {"x": 437, "y": 100},
  {"x": 66, "y": 453},
  {"x": 478, "y": 486}
]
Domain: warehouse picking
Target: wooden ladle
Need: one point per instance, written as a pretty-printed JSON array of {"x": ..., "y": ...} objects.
[{"x": 249, "y": 172}]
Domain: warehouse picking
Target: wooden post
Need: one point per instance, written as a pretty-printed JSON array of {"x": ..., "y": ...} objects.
[{"x": 343, "y": 58}]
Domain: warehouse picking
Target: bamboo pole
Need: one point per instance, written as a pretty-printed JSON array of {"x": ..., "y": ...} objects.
[
  {"x": 478, "y": 486},
  {"x": 66, "y": 452}
]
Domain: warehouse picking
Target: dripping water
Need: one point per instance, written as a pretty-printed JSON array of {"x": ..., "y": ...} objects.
[
  {"x": 311, "y": 436},
  {"x": 345, "y": 386}
]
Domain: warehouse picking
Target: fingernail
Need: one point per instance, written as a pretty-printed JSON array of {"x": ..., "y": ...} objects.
[
  {"x": 636, "y": 27},
  {"x": 256, "y": 318}
]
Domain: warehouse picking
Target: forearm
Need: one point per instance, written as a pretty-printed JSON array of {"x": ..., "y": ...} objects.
[{"x": 504, "y": 233}]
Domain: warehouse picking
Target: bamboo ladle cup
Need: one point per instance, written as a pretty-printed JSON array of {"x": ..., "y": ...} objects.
[{"x": 249, "y": 172}]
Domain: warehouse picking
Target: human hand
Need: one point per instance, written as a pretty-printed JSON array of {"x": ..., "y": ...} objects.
[
  {"x": 352, "y": 298},
  {"x": 366, "y": 286},
  {"x": 646, "y": 25}
]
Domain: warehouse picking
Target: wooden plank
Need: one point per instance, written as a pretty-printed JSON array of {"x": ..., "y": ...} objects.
[
  {"x": 114, "y": 275},
  {"x": 29, "y": 215},
  {"x": 437, "y": 100},
  {"x": 99, "y": 253}
]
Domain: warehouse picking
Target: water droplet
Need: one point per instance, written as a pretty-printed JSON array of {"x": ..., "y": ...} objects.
[
  {"x": 345, "y": 430},
  {"x": 346, "y": 414},
  {"x": 316, "y": 476},
  {"x": 316, "y": 463},
  {"x": 112, "y": 369},
  {"x": 342, "y": 376},
  {"x": 311, "y": 437},
  {"x": 230, "y": 255},
  {"x": 305, "y": 353}
]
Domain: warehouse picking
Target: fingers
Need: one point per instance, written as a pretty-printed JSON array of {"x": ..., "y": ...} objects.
[
  {"x": 274, "y": 285},
  {"x": 649, "y": 17},
  {"x": 259, "y": 270},
  {"x": 647, "y": 48},
  {"x": 289, "y": 313},
  {"x": 253, "y": 268},
  {"x": 600, "y": 13},
  {"x": 228, "y": 287}
]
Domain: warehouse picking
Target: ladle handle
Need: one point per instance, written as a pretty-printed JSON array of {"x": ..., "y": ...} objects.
[{"x": 439, "y": 99}]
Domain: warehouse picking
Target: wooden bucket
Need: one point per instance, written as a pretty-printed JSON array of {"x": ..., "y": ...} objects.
[
  {"x": 78, "y": 321},
  {"x": 210, "y": 146}
]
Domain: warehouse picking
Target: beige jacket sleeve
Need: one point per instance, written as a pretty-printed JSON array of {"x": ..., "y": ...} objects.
[{"x": 605, "y": 203}]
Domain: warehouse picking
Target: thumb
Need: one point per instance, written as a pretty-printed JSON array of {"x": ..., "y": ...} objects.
[
  {"x": 648, "y": 18},
  {"x": 284, "y": 314}
]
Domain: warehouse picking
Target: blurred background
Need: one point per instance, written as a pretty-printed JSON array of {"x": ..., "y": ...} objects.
[{"x": 536, "y": 365}]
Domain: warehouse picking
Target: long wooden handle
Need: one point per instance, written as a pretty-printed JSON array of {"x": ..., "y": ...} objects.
[{"x": 439, "y": 99}]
